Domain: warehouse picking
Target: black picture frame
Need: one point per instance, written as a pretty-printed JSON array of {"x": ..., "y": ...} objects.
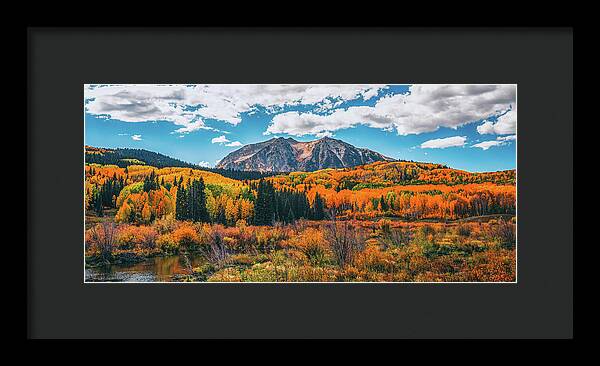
[{"x": 539, "y": 61}]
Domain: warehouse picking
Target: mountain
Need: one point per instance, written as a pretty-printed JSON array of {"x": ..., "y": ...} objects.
[
  {"x": 287, "y": 155},
  {"x": 123, "y": 157}
]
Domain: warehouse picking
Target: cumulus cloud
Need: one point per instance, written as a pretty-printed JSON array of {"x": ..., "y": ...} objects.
[
  {"x": 224, "y": 140},
  {"x": 193, "y": 126},
  {"x": 370, "y": 93},
  {"x": 189, "y": 105},
  {"x": 499, "y": 141},
  {"x": 136, "y": 137},
  {"x": 443, "y": 143},
  {"x": 487, "y": 144},
  {"x": 204, "y": 164},
  {"x": 220, "y": 139},
  {"x": 234, "y": 143},
  {"x": 324, "y": 134},
  {"x": 507, "y": 138},
  {"x": 504, "y": 124},
  {"x": 424, "y": 108}
]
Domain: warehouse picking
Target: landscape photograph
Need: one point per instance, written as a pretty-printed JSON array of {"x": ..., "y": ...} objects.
[{"x": 300, "y": 183}]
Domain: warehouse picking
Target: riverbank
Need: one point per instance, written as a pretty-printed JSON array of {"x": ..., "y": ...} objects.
[{"x": 481, "y": 250}]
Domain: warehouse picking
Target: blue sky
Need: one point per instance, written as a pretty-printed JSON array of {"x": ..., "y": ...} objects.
[{"x": 470, "y": 127}]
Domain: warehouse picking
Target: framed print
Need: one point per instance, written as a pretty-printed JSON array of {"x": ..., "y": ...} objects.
[
  {"x": 278, "y": 191},
  {"x": 224, "y": 183}
]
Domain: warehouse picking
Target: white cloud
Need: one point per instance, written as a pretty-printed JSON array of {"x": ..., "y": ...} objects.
[
  {"x": 505, "y": 124},
  {"x": 507, "y": 138},
  {"x": 324, "y": 134},
  {"x": 370, "y": 93},
  {"x": 123, "y": 134},
  {"x": 444, "y": 143},
  {"x": 224, "y": 140},
  {"x": 234, "y": 143},
  {"x": 425, "y": 108},
  {"x": 487, "y": 144},
  {"x": 189, "y": 105},
  {"x": 219, "y": 140},
  {"x": 193, "y": 126},
  {"x": 204, "y": 164},
  {"x": 136, "y": 137},
  {"x": 499, "y": 141}
]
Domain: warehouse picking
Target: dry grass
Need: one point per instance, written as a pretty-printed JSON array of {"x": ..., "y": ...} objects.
[{"x": 311, "y": 251}]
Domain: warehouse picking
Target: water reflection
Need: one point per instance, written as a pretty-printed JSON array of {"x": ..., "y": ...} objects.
[{"x": 159, "y": 269}]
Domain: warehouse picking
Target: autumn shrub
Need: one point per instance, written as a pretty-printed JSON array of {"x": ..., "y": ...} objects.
[
  {"x": 262, "y": 239},
  {"x": 167, "y": 243},
  {"x": 136, "y": 237},
  {"x": 101, "y": 239},
  {"x": 297, "y": 256},
  {"x": 490, "y": 266},
  {"x": 126, "y": 237},
  {"x": 307, "y": 273},
  {"x": 203, "y": 272},
  {"x": 165, "y": 224},
  {"x": 311, "y": 243},
  {"x": 186, "y": 236},
  {"x": 432, "y": 250},
  {"x": 231, "y": 244},
  {"x": 203, "y": 230},
  {"x": 390, "y": 237},
  {"x": 374, "y": 259},
  {"x": 424, "y": 241},
  {"x": 228, "y": 274},
  {"x": 463, "y": 230},
  {"x": 385, "y": 226},
  {"x": 281, "y": 265},
  {"x": 447, "y": 264},
  {"x": 350, "y": 274},
  {"x": 427, "y": 230},
  {"x": 215, "y": 249},
  {"x": 344, "y": 241},
  {"x": 246, "y": 239},
  {"x": 261, "y": 272},
  {"x": 503, "y": 232},
  {"x": 148, "y": 236},
  {"x": 241, "y": 259},
  {"x": 269, "y": 239}
]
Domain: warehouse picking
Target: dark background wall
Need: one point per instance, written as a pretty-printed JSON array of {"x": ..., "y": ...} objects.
[{"x": 539, "y": 61}]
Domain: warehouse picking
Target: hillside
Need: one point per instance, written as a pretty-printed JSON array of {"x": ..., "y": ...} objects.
[
  {"x": 387, "y": 174},
  {"x": 123, "y": 157},
  {"x": 287, "y": 155}
]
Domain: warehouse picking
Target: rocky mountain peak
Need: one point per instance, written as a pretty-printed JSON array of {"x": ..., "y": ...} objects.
[{"x": 285, "y": 154}]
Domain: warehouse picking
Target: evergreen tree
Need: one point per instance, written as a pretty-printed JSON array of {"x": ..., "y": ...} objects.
[
  {"x": 181, "y": 211},
  {"x": 375, "y": 202},
  {"x": 383, "y": 204},
  {"x": 264, "y": 207},
  {"x": 98, "y": 205},
  {"x": 203, "y": 214},
  {"x": 318, "y": 208}
]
